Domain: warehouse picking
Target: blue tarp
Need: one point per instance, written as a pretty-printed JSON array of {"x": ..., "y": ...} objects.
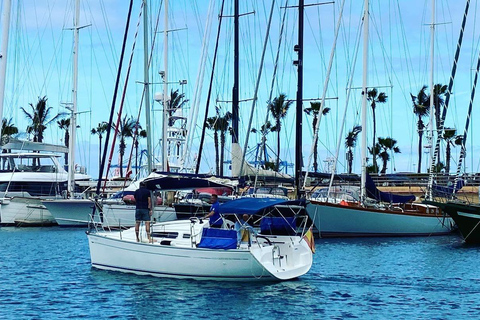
[
  {"x": 218, "y": 239},
  {"x": 441, "y": 191},
  {"x": 254, "y": 205},
  {"x": 374, "y": 193}
]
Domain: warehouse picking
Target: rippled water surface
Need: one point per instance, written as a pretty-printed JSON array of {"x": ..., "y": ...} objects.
[{"x": 45, "y": 273}]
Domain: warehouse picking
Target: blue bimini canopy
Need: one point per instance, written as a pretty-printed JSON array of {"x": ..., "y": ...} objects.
[{"x": 253, "y": 206}]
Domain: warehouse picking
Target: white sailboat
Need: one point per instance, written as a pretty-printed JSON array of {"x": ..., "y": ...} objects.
[
  {"x": 336, "y": 218},
  {"x": 191, "y": 249}
]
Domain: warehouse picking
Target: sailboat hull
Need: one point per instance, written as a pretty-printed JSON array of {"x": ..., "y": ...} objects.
[
  {"x": 335, "y": 220},
  {"x": 466, "y": 217},
  {"x": 279, "y": 258},
  {"x": 77, "y": 213}
]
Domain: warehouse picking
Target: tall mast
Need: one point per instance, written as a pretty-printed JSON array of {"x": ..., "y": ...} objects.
[
  {"x": 432, "y": 96},
  {"x": 364, "y": 100},
  {"x": 7, "y": 4},
  {"x": 299, "y": 111},
  {"x": 436, "y": 150},
  {"x": 165, "y": 92},
  {"x": 235, "y": 95},
  {"x": 146, "y": 88},
  {"x": 73, "y": 122}
]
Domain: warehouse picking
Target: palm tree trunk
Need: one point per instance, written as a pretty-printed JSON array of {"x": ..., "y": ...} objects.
[
  {"x": 136, "y": 157},
  {"x": 120, "y": 164},
  {"x": 264, "y": 146},
  {"x": 222, "y": 150},
  {"x": 420, "y": 128},
  {"x": 315, "y": 146},
  {"x": 420, "y": 136},
  {"x": 447, "y": 158},
  {"x": 215, "y": 138},
  {"x": 384, "y": 167},
  {"x": 350, "y": 160},
  {"x": 67, "y": 138},
  {"x": 100, "y": 153},
  {"x": 374, "y": 158},
  {"x": 277, "y": 166}
]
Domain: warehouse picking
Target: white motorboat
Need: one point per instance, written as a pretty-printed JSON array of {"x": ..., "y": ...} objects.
[
  {"x": 191, "y": 249},
  {"x": 25, "y": 180}
]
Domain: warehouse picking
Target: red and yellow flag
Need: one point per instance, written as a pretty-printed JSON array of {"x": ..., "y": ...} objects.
[{"x": 308, "y": 237}]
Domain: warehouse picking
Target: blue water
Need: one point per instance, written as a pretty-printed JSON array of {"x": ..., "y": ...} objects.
[{"x": 45, "y": 273}]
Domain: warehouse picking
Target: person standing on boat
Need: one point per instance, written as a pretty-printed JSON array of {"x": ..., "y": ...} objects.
[
  {"x": 143, "y": 209},
  {"x": 214, "y": 214}
]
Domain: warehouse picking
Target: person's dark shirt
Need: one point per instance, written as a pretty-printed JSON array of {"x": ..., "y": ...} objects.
[{"x": 141, "y": 198}]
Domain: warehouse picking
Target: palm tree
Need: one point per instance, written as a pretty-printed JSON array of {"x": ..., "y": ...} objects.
[
  {"x": 64, "y": 124},
  {"x": 315, "y": 110},
  {"x": 223, "y": 125},
  {"x": 8, "y": 129},
  {"x": 385, "y": 145},
  {"x": 421, "y": 108},
  {"x": 212, "y": 125},
  {"x": 39, "y": 118},
  {"x": 451, "y": 139},
  {"x": 278, "y": 109},
  {"x": 126, "y": 130},
  {"x": 439, "y": 91},
  {"x": 265, "y": 129},
  {"x": 374, "y": 97},
  {"x": 101, "y": 128},
  {"x": 141, "y": 134},
  {"x": 350, "y": 142},
  {"x": 177, "y": 101}
]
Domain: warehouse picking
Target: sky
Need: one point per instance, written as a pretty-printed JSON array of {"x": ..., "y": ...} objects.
[{"x": 39, "y": 63}]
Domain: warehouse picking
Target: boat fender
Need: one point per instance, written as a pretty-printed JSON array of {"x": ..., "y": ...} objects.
[{"x": 344, "y": 203}]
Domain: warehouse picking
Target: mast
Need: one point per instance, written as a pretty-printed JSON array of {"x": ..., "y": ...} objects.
[
  {"x": 364, "y": 101},
  {"x": 73, "y": 121},
  {"x": 432, "y": 96},
  {"x": 299, "y": 111},
  {"x": 447, "y": 98},
  {"x": 235, "y": 95},
  {"x": 202, "y": 138},
  {"x": 7, "y": 4},
  {"x": 146, "y": 88},
  {"x": 165, "y": 93}
]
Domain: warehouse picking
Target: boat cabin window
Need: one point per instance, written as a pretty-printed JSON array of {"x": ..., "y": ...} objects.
[{"x": 28, "y": 164}]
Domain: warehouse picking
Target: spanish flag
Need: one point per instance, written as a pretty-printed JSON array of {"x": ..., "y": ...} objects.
[{"x": 308, "y": 237}]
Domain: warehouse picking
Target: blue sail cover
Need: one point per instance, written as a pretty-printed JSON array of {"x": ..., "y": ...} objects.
[
  {"x": 252, "y": 206},
  {"x": 182, "y": 181},
  {"x": 373, "y": 192}
]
